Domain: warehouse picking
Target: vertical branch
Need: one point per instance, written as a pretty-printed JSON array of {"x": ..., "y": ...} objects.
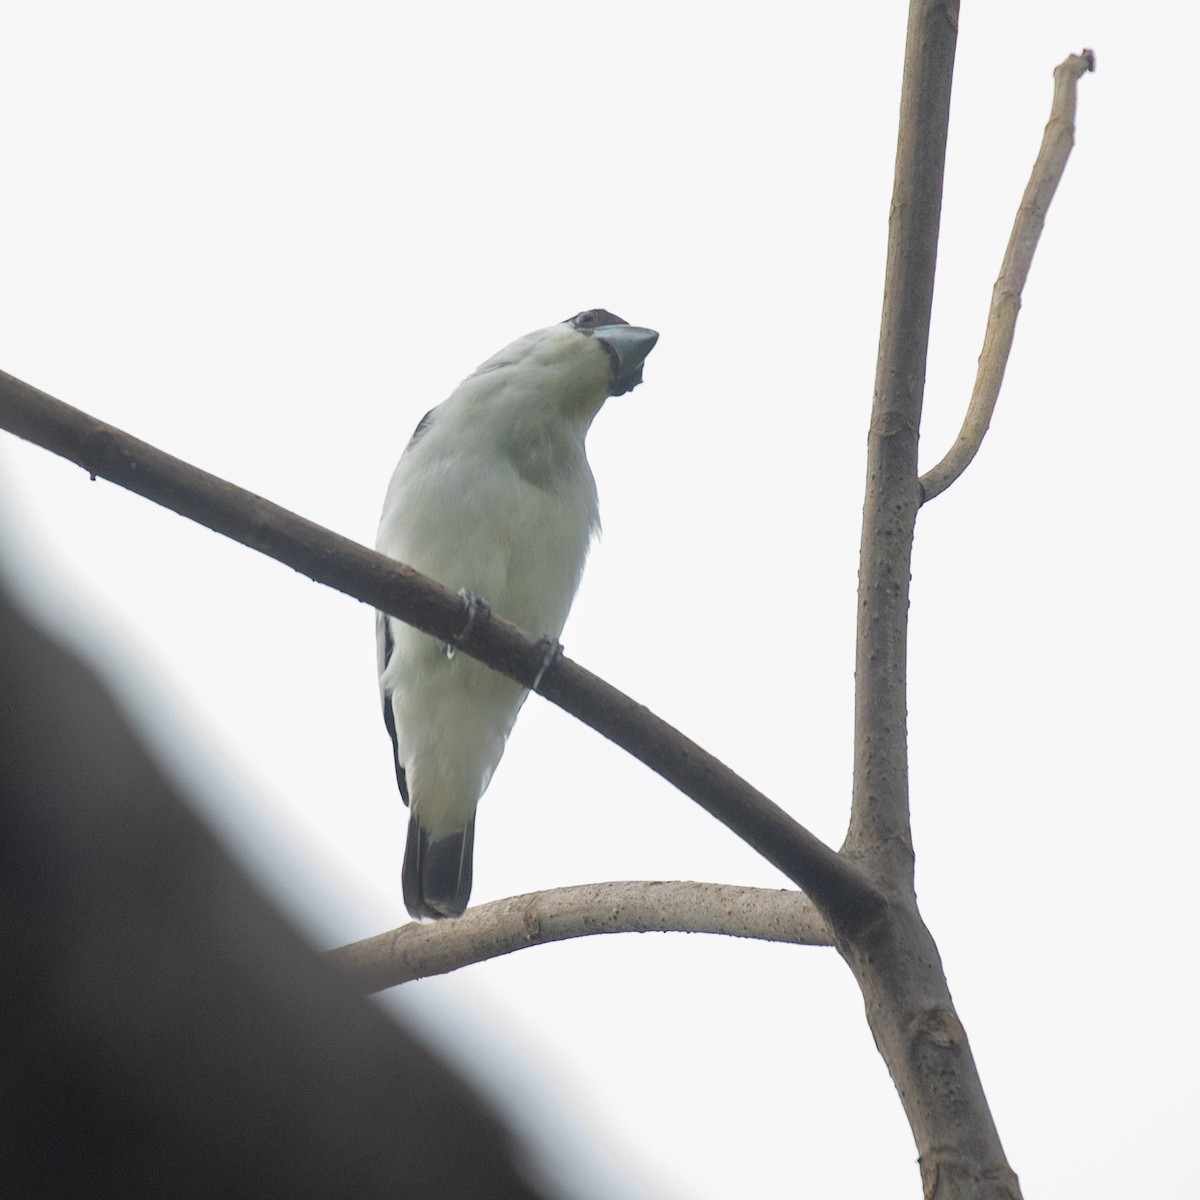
[
  {"x": 879, "y": 823},
  {"x": 895, "y": 959}
]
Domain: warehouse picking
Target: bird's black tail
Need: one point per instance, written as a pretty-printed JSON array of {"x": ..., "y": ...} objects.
[{"x": 437, "y": 873}]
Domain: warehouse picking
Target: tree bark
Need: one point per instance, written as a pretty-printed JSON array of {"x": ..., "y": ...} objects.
[
  {"x": 1001, "y": 328},
  {"x": 486, "y": 931},
  {"x": 895, "y": 959}
]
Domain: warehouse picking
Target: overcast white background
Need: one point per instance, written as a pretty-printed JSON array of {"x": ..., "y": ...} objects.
[{"x": 268, "y": 237}]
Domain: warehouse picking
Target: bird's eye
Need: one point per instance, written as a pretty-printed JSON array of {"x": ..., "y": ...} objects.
[{"x": 586, "y": 318}]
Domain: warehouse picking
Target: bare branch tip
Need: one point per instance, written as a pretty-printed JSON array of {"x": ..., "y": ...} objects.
[
  {"x": 1079, "y": 64},
  {"x": 1006, "y": 295}
]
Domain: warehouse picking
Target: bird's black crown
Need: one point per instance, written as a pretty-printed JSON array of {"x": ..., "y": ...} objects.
[{"x": 593, "y": 318}]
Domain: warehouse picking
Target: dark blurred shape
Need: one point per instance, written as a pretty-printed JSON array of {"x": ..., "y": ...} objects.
[{"x": 164, "y": 1032}]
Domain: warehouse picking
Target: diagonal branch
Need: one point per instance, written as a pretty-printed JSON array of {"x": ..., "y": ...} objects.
[
  {"x": 835, "y": 884},
  {"x": 1014, "y": 271},
  {"x": 489, "y": 930}
]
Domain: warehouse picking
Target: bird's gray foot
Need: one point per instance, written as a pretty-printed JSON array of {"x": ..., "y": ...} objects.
[
  {"x": 554, "y": 651},
  {"x": 473, "y": 605}
]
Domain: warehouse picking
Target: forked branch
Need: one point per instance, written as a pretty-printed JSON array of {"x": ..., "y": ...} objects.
[
  {"x": 1006, "y": 295},
  {"x": 896, "y": 962}
]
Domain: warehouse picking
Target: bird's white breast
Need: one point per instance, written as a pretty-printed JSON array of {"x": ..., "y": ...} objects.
[
  {"x": 496, "y": 500},
  {"x": 468, "y": 517}
]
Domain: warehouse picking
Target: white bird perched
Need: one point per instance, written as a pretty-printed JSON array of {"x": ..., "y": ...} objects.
[{"x": 493, "y": 495}]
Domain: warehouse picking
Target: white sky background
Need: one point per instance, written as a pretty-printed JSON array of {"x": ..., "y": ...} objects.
[{"x": 268, "y": 237}]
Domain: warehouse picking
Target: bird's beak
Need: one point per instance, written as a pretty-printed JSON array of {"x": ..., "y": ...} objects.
[{"x": 628, "y": 345}]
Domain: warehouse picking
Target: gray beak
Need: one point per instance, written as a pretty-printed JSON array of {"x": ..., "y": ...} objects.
[{"x": 627, "y": 346}]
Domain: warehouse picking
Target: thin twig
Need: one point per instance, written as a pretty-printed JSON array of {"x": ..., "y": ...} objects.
[
  {"x": 836, "y": 884},
  {"x": 1014, "y": 271},
  {"x": 490, "y": 930}
]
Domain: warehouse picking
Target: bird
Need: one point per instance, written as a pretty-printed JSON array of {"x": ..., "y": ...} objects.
[{"x": 493, "y": 496}]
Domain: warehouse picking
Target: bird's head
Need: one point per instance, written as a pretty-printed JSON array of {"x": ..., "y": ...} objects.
[
  {"x": 570, "y": 368},
  {"x": 625, "y": 346},
  {"x": 555, "y": 379}
]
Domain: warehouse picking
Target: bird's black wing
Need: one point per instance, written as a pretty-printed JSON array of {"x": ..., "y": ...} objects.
[
  {"x": 384, "y": 646},
  {"x": 422, "y": 425}
]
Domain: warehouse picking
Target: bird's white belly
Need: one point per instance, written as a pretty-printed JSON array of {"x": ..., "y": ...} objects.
[{"x": 522, "y": 550}]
